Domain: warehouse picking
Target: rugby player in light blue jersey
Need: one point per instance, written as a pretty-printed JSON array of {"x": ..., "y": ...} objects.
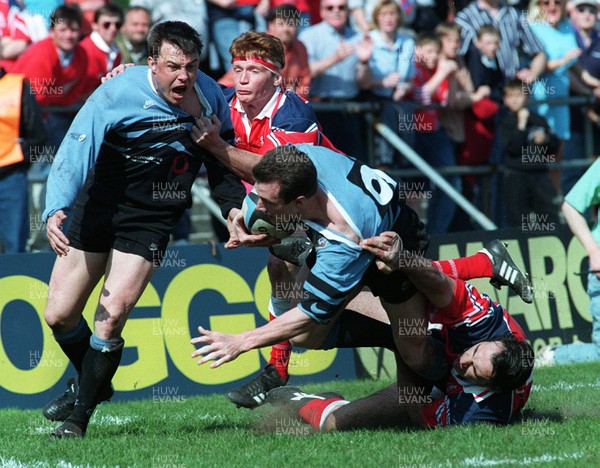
[
  {"x": 342, "y": 201},
  {"x": 345, "y": 203},
  {"x": 122, "y": 178}
]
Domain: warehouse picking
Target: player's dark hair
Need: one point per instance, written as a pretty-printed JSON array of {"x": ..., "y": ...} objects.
[
  {"x": 178, "y": 33},
  {"x": 291, "y": 168},
  {"x": 68, "y": 14},
  {"x": 513, "y": 366},
  {"x": 110, "y": 9}
]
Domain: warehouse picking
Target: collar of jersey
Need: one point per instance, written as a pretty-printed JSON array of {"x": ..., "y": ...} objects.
[
  {"x": 330, "y": 233},
  {"x": 479, "y": 392},
  {"x": 112, "y": 50},
  {"x": 266, "y": 111}
]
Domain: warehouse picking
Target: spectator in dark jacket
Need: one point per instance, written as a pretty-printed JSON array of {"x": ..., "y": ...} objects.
[{"x": 529, "y": 152}]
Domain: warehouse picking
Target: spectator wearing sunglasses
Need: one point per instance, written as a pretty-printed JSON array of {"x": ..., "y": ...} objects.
[{"x": 100, "y": 46}]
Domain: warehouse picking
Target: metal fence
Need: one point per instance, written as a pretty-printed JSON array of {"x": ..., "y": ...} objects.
[
  {"x": 369, "y": 109},
  {"x": 421, "y": 168}
]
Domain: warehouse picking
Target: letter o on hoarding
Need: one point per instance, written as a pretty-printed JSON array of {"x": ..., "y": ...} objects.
[{"x": 48, "y": 371}]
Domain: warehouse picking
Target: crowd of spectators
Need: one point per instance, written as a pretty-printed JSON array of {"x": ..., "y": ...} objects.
[{"x": 440, "y": 72}]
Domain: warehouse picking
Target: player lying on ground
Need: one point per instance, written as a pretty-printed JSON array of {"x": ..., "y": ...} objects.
[
  {"x": 490, "y": 362},
  {"x": 342, "y": 201}
]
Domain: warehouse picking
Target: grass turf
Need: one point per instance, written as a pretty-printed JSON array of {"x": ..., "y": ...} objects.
[{"x": 560, "y": 427}]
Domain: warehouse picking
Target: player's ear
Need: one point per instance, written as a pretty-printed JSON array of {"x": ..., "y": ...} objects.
[
  {"x": 277, "y": 80},
  {"x": 299, "y": 201},
  {"x": 152, "y": 64}
]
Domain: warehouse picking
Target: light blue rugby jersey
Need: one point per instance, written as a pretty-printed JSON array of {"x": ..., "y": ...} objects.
[
  {"x": 127, "y": 125},
  {"x": 368, "y": 200}
]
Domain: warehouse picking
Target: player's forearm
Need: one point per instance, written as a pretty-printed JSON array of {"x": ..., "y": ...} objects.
[
  {"x": 285, "y": 327},
  {"x": 67, "y": 177},
  {"x": 237, "y": 160},
  {"x": 437, "y": 287},
  {"x": 579, "y": 228}
]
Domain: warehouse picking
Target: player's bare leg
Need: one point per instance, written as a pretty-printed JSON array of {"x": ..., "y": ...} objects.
[
  {"x": 493, "y": 261},
  {"x": 126, "y": 278},
  {"x": 410, "y": 331},
  {"x": 362, "y": 321},
  {"x": 329, "y": 412},
  {"x": 73, "y": 278},
  {"x": 285, "y": 286}
]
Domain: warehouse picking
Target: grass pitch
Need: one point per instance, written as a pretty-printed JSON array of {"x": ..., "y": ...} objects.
[{"x": 560, "y": 427}]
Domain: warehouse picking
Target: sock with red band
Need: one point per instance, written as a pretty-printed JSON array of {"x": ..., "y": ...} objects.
[
  {"x": 280, "y": 358},
  {"x": 280, "y": 353},
  {"x": 316, "y": 411},
  {"x": 475, "y": 266}
]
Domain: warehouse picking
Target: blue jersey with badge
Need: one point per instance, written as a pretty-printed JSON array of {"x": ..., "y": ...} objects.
[
  {"x": 368, "y": 201},
  {"x": 127, "y": 146}
]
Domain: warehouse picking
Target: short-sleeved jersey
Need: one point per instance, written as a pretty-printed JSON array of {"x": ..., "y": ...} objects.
[
  {"x": 463, "y": 327},
  {"x": 367, "y": 199},
  {"x": 131, "y": 148}
]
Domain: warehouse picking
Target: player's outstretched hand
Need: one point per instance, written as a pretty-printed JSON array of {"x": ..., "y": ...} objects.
[
  {"x": 239, "y": 235},
  {"x": 116, "y": 71},
  {"x": 219, "y": 347},
  {"x": 56, "y": 237},
  {"x": 386, "y": 247}
]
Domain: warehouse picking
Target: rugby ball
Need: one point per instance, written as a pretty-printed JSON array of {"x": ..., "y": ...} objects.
[{"x": 257, "y": 221}]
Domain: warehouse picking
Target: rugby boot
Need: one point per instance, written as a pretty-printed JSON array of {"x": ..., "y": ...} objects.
[
  {"x": 60, "y": 407},
  {"x": 252, "y": 394},
  {"x": 68, "y": 430},
  {"x": 506, "y": 272},
  {"x": 294, "y": 399}
]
